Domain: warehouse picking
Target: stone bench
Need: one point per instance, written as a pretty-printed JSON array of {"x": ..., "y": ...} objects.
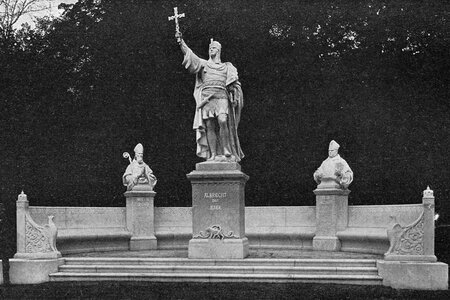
[
  {"x": 265, "y": 238},
  {"x": 368, "y": 224},
  {"x": 173, "y": 227},
  {"x": 280, "y": 237},
  {"x": 79, "y": 240},
  {"x": 280, "y": 227},
  {"x": 92, "y": 234},
  {"x": 86, "y": 229},
  {"x": 364, "y": 240},
  {"x": 175, "y": 240}
]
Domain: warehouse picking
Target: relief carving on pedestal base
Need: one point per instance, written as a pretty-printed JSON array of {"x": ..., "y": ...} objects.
[{"x": 215, "y": 232}]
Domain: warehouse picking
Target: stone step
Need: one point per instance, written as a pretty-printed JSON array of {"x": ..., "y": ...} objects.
[
  {"x": 218, "y": 262},
  {"x": 218, "y": 277},
  {"x": 207, "y": 269}
]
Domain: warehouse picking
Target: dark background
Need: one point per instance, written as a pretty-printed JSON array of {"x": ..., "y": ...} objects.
[{"x": 78, "y": 91}]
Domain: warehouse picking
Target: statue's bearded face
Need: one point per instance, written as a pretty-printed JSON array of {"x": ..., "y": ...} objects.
[
  {"x": 332, "y": 153},
  {"x": 140, "y": 157}
]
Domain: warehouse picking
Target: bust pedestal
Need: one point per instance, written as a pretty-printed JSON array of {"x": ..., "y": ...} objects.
[
  {"x": 140, "y": 217},
  {"x": 331, "y": 215},
  {"x": 218, "y": 211}
]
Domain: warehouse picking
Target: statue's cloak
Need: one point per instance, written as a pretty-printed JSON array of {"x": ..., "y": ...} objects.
[
  {"x": 335, "y": 168},
  {"x": 195, "y": 65}
]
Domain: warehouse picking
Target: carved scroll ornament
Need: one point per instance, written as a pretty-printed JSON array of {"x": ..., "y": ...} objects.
[
  {"x": 215, "y": 232},
  {"x": 40, "y": 239},
  {"x": 406, "y": 240}
]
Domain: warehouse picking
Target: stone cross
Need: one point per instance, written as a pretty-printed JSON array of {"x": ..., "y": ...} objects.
[{"x": 175, "y": 17}]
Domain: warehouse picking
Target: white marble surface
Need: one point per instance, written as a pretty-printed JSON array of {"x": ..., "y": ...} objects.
[
  {"x": 414, "y": 275},
  {"x": 81, "y": 217},
  {"x": 266, "y": 226},
  {"x": 379, "y": 216},
  {"x": 27, "y": 271}
]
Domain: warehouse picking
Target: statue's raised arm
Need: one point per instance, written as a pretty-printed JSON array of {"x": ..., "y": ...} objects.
[
  {"x": 191, "y": 61},
  {"x": 181, "y": 42}
]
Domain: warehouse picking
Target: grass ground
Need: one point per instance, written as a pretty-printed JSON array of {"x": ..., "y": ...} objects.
[{"x": 149, "y": 290}]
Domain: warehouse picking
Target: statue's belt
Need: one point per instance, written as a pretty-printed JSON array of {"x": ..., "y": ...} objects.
[{"x": 215, "y": 84}]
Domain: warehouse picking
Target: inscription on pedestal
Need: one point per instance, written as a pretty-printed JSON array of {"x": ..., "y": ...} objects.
[{"x": 215, "y": 200}]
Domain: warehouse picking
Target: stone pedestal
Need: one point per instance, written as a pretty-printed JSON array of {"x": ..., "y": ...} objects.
[
  {"x": 415, "y": 275},
  {"x": 1, "y": 272},
  {"x": 218, "y": 211},
  {"x": 140, "y": 217},
  {"x": 27, "y": 271},
  {"x": 331, "y": 215}
]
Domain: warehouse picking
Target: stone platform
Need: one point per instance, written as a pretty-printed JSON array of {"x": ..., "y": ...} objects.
[
  {"x": 254, "y": 253},
  {"x": 260, "y": 266}
]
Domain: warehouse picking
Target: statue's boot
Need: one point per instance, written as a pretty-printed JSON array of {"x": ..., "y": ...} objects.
[
  {"x": 212, "y": 139},
  {"x": 225, "y": 141}
]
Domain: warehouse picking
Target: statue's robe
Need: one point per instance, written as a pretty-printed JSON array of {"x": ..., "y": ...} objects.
[
  {"x": 197, "y": 66},
  {"x": 335, "y": 168},
  {"x": 138, "y": 173}
]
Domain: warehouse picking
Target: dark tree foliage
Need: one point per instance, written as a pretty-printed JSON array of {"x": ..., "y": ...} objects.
[{"x": 373, "y": 75}]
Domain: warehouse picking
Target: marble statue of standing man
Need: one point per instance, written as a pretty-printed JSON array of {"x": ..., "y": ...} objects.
[{"x": 219, "y": 101}]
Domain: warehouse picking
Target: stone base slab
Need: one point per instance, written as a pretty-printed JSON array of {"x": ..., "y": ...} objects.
[
  {"x": 411, "y": 258},
  {"x": 46, "y": 255},
  {"x": 26, "y": 271},
  {"x": 414, "y": 275},
  {"x": 143, "y": 243},
  {"x": 217, "y": 166},
  {"x": 326, "y": 243},
  {"x": 218, "y": 249}
]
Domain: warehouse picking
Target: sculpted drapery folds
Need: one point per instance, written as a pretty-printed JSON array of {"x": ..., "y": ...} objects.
[
  {"x": 138, "y": 172},
  {"x": 219, "y": 101},
  {"x": 334, "y": 168}
]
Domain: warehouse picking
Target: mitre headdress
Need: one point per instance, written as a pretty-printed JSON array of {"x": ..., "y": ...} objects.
[
  {"x": 139, "y": 148},
  {"x": 333, "y": 145}
]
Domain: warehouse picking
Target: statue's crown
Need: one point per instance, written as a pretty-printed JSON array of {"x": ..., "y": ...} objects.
[{"x": 215, "y": 43}]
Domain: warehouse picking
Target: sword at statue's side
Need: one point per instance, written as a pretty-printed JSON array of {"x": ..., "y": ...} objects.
[
  {"x": 175, "y": 17},
  {"x": 233, "y": 103}
]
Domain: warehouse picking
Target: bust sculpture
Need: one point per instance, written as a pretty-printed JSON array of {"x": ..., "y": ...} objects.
[
  {"x": 138, "y": 172},
  {"x": 334, "y": 172}
]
